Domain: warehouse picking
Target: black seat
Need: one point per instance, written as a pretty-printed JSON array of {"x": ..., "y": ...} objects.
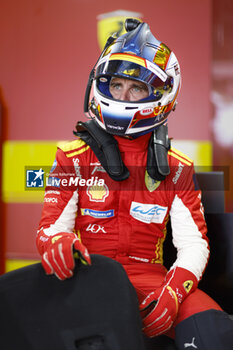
[{"x": 217, "y": 281}]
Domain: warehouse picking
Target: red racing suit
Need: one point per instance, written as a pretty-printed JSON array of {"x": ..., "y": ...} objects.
[{"x": 127, "y": 220}]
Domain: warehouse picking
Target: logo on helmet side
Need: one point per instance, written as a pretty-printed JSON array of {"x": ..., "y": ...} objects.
[{"x": 146, "y": 111}]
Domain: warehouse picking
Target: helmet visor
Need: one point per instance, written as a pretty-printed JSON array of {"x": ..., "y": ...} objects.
[{"x": 132, "y": 67}]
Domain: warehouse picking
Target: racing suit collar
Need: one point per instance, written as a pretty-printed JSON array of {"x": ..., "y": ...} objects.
[{"x": 136, "y": 145}]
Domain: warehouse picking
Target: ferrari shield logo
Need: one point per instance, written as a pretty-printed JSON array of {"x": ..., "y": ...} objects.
[
  {"x": 113, "y": 23},
  {"x": 150, "y": 183},
  {"x": 188, "y": 285}
]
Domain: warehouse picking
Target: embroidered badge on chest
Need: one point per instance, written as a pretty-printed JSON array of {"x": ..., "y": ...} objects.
[
  {"x": 98, "y": 193},
  {"x": 150, "y": 183}
]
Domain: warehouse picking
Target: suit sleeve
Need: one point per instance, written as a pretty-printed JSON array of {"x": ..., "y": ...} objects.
[
  {"x": 188, "y": 226},
  {"x": 60, "y": 204}
]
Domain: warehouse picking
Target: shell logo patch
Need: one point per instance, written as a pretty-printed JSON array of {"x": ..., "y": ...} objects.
[
  {"x": 98, "y": 193},
  {"x": 188, "y": 285},
  {"x": 150, "y": 183}
]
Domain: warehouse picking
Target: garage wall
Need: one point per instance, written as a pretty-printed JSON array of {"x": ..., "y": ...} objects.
[{"x": 47, "y": 50}]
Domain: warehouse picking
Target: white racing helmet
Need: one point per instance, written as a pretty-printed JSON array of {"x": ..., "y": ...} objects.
[{"x": 136, "y": 55}]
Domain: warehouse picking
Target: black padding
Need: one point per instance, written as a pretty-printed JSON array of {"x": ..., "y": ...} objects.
[
  {"x": 162, "y": 342},
  {"x": 105, "y": 148},
  {"x": 96, "y": 309},
  {"x": 217, "y": 281},
  {"x": 206, "y": 330},
  {"x": 213, "y": 187},
  {"x": 107, "y": 151},
  {"x": 157, "y": 161}
]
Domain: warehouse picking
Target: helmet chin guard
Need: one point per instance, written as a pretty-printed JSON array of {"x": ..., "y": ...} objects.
[{"x": 139, "y": 56}]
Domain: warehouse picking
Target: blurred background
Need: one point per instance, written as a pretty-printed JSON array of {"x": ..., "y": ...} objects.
[{"x": 48, "y": 48}]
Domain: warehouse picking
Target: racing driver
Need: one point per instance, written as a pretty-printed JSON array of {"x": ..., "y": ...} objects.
[{"x": 144, "y": 183}]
